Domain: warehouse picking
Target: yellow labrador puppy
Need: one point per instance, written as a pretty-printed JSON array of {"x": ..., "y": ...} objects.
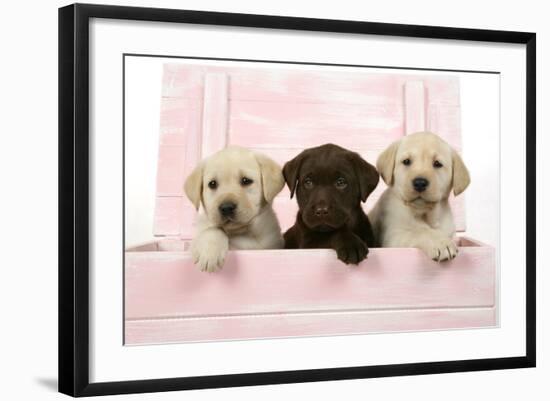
[
  {"x": 420, "y": 170},
  {"x": 236, "y": 187}
]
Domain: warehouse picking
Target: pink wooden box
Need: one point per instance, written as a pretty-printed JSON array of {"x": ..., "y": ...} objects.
[{"x": 285, "y": 293}]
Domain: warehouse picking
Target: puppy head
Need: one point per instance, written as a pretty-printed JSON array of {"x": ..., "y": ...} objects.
[
  {"x": 233, "y": 185},
  {"x": 422, "y": 167},
  {"x": 330, "y": 182}
]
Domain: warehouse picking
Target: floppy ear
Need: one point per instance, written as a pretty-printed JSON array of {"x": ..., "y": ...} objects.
[
  {"x": 291, "y": 171},
  {"x": 367, "y": 175},
  {"x": 386, "y": 163},
  {"x": 461, "y": 176},
  {"x": 272, "y": 177},
  {"x": 193, "y": 186}
]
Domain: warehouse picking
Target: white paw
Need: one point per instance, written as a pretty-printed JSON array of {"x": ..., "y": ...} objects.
[
  {"x": 441, "y": 249},
  {"x": 209, "y": 255}
]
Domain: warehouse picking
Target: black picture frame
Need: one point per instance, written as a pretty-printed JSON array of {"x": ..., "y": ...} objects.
[{"x": 74, "y": 198}]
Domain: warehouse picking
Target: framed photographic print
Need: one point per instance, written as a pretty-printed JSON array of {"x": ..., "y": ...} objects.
[{"x": 295, "y": 199}]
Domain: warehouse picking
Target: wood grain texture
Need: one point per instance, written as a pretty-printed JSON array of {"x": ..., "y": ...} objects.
[
  {"x": 158, "y": 331},
  {"x": 303, "y": 125},
  {"x": 214, "y": 114},
  {"x": 280, "y": 112},
  {"x": 415, "y": 107},
  {"x": 306, "y": 85},
  {"x": 167, "y": 284}
]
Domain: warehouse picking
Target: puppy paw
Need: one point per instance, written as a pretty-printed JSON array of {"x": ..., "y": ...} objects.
[
  {"x": 353, "y": 251},
  {"x": 441, "y": 250},
  {"x": 209, "y": 256}
]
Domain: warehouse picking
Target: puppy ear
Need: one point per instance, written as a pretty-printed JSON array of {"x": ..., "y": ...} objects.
[
  {"x": 461, "y": 176},
  {"x": 291, "y": 171},
  {"x": 386, "y": 163},
  {"x": 272, "y": 177},
  {"x": 367, "y": 175},
  {"x": 193, "y": 186}
]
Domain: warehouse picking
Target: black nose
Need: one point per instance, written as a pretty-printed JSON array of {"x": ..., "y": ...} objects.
[
  {"x": 227, "y": 209},
  {"x": 321, "y": 211},
  {"x": 420, "y": 184}
]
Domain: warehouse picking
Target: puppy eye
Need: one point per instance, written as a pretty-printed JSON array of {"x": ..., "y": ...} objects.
[
  {"x": 308, "y": 183},
  {"x": 407, "y": 162},
  {"x": 437, "y": 164},
  {"x": 213, "y": 184},
  {"x": 341, "y": 183},
  {"x": 245, "y": 181}
]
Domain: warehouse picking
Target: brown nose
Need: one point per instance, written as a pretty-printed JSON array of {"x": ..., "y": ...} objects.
[{"x": 321, "y": 211}]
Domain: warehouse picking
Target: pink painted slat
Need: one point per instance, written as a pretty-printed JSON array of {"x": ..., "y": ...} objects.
[
  {"x": 179, "y": 153},
  {"x": 163, "y": 245},
  {"x": 167, "y": 284},
  {"x": 265, "y": 83},
  {"x": 215, "y": 113},
  {"x": 180, "y": 119},
  {"x": 144, "y": 247},
  {"x": 174, "y": 216},
  {"x": 171, "y": 172},
  {"x": 297, "y": 125},
  {"x": 168, "y": 216},
  {"x": 415, "y": 107},
  {"x": 140, "y": 332}
]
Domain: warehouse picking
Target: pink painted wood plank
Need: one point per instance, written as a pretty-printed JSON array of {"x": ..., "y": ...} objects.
[
  {"x": 291, "y": 125},
  {"x": 162, "y": 245},
  {"x": 171, "y": 172},
  {"x": 215, "y": 113},
  {"x": 180, "y": 119},
  {"x": 415, "y": 107},
  {"x": 311, "y": 85},
  {"x": 144, "y": 247},
  {"x": 168, "y": 215},
  {"x": 174, "y": 216},
  {"x": 179, "y": 153},
  {"x": 155, "y": 331},
  {"x": 167, "y": 284}
]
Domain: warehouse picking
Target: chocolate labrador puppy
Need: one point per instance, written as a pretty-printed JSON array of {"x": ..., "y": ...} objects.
[{"x": 330, "y": 182}]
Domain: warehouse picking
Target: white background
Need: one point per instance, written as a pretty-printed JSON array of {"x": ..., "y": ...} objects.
[
  {"x": 29, "y": 170},
  {"x": 480, "y": 112}
]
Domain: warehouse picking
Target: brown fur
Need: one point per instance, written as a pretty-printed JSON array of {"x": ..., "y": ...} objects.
[{"x": 345, "y": 227}]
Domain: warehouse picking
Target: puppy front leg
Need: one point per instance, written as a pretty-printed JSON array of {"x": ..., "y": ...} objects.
[
  {"x": 209, "y": 248},
  {"x": 349, "y": 247},
  {"x": 434, "y": 243},
  {"x": 440, "y": 247}
]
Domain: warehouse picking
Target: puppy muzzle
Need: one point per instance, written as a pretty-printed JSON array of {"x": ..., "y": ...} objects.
[
  {"x": 324, "y": 218},
  {"x": 227, "y": 209}
]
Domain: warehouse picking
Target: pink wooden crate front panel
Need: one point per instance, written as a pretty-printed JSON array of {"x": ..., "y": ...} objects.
[
  {"x": 281, "y": 112},
  {"x": 155, "y": 331},
  {"x": 167, "y": 284}
]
